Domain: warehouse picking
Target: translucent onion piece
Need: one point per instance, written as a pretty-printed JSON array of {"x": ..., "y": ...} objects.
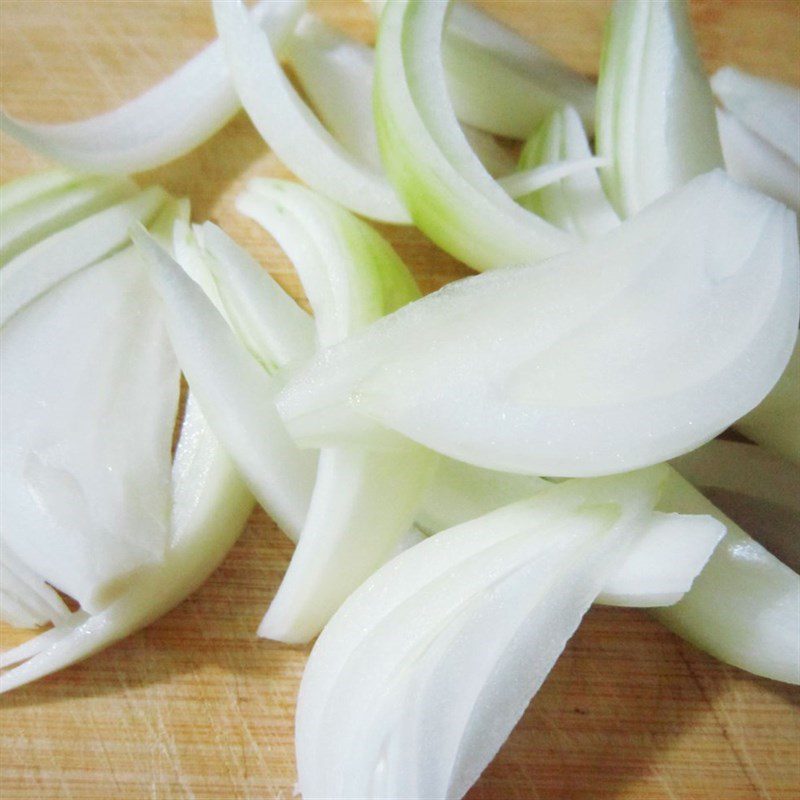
[
  {"x": 26, "y": 601},
  {"x": 768, "y": 108},
  {"x": 450, "y": 195},
  {"x": 290, "y": 128},
  {"x": 500, "y": 82},
  {"x": 364, "y": 499},
  {"x": 577, "y": 203},
  {"x": 535, "y": 370},
  {"x": 164, "y": 123},
  {"x": 223, "y": 376},
  {"x": 29, "y": 222},
  {"x": 744, "y": 608},
  {"x": 655, "y": 110},
  {"x": 423, "y": 672},
  {"x": 38, "y": 269},
  {"x": 210, "y": 508},
  {"x": 775, "y": 422},
  {"x": 668, "y": 555},
  {"x": 753, "y": 161},
  {"x": 530, "y": 180},
  {"x": 89, "y": 395}
]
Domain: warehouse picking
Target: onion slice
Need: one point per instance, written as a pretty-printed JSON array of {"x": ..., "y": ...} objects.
[
  {"x": 421, "y": 675},
  {"x": 352, "y": 277},
  {"x": 164, "y": 123},
  {"x": 449, "y": 193},
  {"x": 290, "y": 127},
  {"x": 577, "y": 203},
  {"x": 222, "y": 375},
  {"x": 210, "y": 508},
  {"x": 655, "y": 110},
  {"x": 768, "y": 108},
  {"x": 535, "y": 370}
]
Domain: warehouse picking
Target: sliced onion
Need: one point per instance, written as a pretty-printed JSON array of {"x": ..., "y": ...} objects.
[
  {"x": 210, "y": 508},
  {"x": 536, "y": 370},
  {"x": 768, "y": 108},
  {"x": 223, "y": 375},
  {"x": 450, "y": 195},
  {"x": 577, "y": 203},
  {"x": 500, "y": 82},
  {"x": 364, "y": 498},
  {"x": 753, "y": 161},
  {"x": 33, "y": 187},
  {"x": 165, "y": 122},
  {"x": 61, "y": 255},
  {"x": 531, "y": 180},
  {"x": 26, "y": 601},
  {"x": 89, "y": 397},
  {"x": 744, "y": 608},
  {"x": 29, "y": 222},
  {"x": 290, "y": 127},
  {"x": 423, "y": 672},
  {"x": 655, "y": 110}
]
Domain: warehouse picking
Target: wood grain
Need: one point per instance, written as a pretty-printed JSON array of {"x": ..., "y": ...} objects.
[{"x": 195, "y": 706}]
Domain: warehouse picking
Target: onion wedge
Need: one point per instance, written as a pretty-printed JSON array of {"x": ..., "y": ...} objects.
[
  {"x": 449, "y": 193},
  {"x": 210, "y": 507},
  {"x": 655, "y": 110},
  {"x": 577, "y": 202},
  {"x": 421, "y": 675},
  {"x": 534, "y": 370},
  {"x": 768, "y": 108},
  {"x": 364, "y": 498},
  {"x": 290, "y": 128},
  {"x": 166, "y": 122}
]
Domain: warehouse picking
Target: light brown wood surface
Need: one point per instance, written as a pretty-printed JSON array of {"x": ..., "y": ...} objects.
[{"x": 195, "y": 706}]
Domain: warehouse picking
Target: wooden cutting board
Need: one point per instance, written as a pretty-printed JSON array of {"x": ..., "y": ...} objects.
[{"x": 195, "y": 706}]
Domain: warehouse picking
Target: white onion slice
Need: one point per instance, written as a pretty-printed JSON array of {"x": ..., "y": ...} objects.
[
  {"x": 166, "y": 122},
  {"x": 744, "y": 608},
  {"x": 29, "y": 222},
  {"x": 578, "y": 203},
  {"x": 26, "y": 601},
  {"x": 655, "y": 110},
  {"x": 30, "y": 188},
  {"x": 768, "y": 108},
  {"x": 89, "y": 394},
  {"x": 500, "y": 82},
  {"x": 775, "y": 422},
  {"x": 753, "y": 161},
  {"x": 537, "y": 177},
  {"x": 290, "y": 127},
  {"x": 449, "y": 193},
  {"x": 34, "y": 272},
  {"x": 535, "y": 370},
  {"x": 210, "y": 508},
  {"x": 364, "y": 498},
  {"x": 423, "y": 672},
  {"x": 222, "y": 376}
]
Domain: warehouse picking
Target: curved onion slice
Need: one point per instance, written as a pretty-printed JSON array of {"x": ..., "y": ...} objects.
[
  {"x": 768, "y": 108},
  {"x": 89, "y": 394},
  {"x": 500, "y": 82},
  {"x": 26, "y": 601},
  {"x": 450, "y": 195},
  {"x": 423, "y": 672},
  {"x": 165, "y": 122},
  {"x": 753, "y": 161},
  {"x": 26, "y": 223},
  {"x": 775, "y": 422},
  {"x": 655, "y": 110},
  {"x": 210, "y": 508},
  {"x": 30, "y": 188},
  {"x": 364, "y": 499},
  {"x": 744, "y": 608},
  {"x": 290, "y": 128},
  {"x": 577, "y": 203},
  {"x": 35, "y": 271},
  {"x": 657, "y": 571},
  {"x": 223, "y": 375},
  {"x": 536, "y": 370}
]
